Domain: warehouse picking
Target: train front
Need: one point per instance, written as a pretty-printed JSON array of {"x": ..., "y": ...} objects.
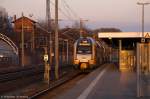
[{"x": 84, "y": 54}]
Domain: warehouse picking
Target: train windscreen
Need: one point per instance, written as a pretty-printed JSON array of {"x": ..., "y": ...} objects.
[{"x": 84, "y": 47}]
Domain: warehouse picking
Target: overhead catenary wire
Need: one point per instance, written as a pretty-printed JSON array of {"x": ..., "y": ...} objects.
[
  {"x": 70, "y": 9},
  {"x": 66, "y": 9},
  {"x": 68, "y": 12},
  {"x": 62, "y": 11}
]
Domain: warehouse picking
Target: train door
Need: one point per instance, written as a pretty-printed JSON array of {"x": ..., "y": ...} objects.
[{"x": 143, "y": 69}]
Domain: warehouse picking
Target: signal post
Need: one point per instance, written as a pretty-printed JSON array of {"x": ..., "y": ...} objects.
[{"x": 47, "y": 67}]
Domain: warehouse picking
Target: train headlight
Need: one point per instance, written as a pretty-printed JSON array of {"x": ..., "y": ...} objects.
[
  {"x": 91, "y": 62},
  {"x": 83, "y": 66},
  {"x": 76, "y": 61}
]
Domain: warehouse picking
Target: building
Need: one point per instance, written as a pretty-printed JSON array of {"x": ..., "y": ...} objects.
[{"x": 25, "y": 26}]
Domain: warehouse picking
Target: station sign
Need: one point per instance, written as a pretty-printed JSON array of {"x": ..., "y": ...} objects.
[{"x": 147, "y": 35}]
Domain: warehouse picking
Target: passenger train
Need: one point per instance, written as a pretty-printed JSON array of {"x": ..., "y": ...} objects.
[{"x": 88, "y": 53}]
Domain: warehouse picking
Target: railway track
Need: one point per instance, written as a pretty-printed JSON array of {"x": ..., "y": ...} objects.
[
  {"x": 67, "y": 83},
  {"x": 40, "y": 89},
  {"x": 10, "y": 75},
  {"x": 61, "y": 88},
  {"x": 9, "y": 80},
  {"x": 55, "y": 84},
  {"x": 17, "y": 74}
]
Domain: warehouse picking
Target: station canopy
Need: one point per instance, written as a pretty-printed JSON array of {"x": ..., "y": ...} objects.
[
  {"x": 123, "y": 35},
  {"x": 128, "y": 38}
]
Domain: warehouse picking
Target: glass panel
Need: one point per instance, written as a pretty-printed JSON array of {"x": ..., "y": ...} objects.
[
  {"x": 84, "y": 49},
  {"x": 143, "y": 74}
]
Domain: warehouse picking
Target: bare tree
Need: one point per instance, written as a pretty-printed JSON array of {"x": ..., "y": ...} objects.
[{"x": 5, "y": 23}]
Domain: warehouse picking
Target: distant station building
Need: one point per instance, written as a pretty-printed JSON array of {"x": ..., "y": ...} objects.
[
  {"x": 36, "y": 39},
  {"x": 26, "y": 26}
]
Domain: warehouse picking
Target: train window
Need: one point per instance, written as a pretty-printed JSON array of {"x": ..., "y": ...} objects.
[{"x": 84, "y": 49}]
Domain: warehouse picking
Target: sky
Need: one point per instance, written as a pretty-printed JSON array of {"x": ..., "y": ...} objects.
[{"x": 122, "y": 14}]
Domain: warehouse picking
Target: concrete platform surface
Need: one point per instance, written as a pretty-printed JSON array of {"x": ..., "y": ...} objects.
[{"x": 107, "y": 82}]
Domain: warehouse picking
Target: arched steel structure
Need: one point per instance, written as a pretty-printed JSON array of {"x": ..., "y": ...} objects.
[{"x": 9, "y": 42}]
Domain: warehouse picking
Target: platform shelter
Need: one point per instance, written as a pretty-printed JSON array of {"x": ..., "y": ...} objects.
[{"x": 127, "y": 58}]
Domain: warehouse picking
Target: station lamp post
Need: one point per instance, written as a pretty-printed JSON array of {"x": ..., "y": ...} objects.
[
  {"x": 142, "y": 4},
  {"x": 139, "y": 93}
]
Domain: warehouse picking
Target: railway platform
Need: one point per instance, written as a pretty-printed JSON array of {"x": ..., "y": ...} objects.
[{"x": 107, "y": 82}]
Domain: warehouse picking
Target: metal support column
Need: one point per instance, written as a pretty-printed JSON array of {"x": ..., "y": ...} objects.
[
  {"x": 149, "y": 57},
  {"x": 67, "y": 52},
  {"x": 22, "y": 42},
  {"x": 143, "y": 5},
  {"x": 33, "y": 37},
  {"x": 63, "y": 51},
  {"x": 67, "y": 49},
  {"x": 110, "y": 56},
  {"x": 81, "y": 28},
  {"x": 139, "y": 63},
  {"x": 47, "y": 67},
  {"x": 120, "y": 48},
  {"x": 56, "y": 41},
  {"x": 48, "y": 21},
  {"x": 143, "y": 40}
]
